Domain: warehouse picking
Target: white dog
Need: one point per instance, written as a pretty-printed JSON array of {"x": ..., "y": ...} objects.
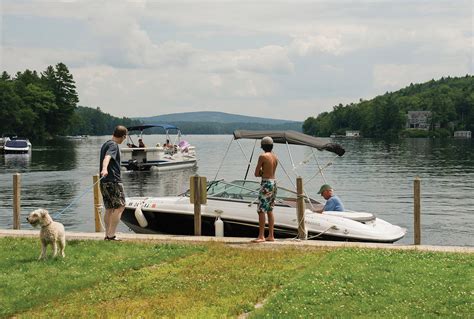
[{"x": 51, "y": 232}]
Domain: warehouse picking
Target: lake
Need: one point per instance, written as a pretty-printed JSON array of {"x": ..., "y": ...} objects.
[{"x": 373, "y": 176}]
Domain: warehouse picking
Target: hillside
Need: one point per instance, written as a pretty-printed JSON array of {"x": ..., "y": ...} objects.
[
  {"x": 220, "y": 122},
  {"x": 213, "y": 117},
  {"x": 449, "y": 103}
]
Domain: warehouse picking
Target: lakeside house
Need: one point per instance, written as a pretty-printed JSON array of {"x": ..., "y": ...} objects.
[
  {"x": 463, "y": 134},
  {"x": 418, "y": 120}
]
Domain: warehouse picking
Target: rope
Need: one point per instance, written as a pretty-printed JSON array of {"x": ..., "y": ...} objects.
[
  {"x": 316, "y": 236},
  {"x": 222, "y": 162},
  {"x": 88, "y": 189},
  {"x": 320, "y": 170}
]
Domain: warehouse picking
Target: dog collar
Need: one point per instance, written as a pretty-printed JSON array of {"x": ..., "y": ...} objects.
[{"x": 46, "y": 225}]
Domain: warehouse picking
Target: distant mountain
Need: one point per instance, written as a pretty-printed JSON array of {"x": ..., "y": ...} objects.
[
  {"x": 219, "y": 122},
  {"x": 207, "y": 116}
]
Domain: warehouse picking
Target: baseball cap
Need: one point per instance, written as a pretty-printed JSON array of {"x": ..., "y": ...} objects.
[
  {"x": 323, "y": 188},
  {"x": 267, "y": 140}
]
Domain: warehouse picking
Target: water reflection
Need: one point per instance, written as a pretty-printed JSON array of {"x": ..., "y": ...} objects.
[
  {"x": 17, "y": 161},
  {"x": 59, "y": 154},
  {"x": 50, "y": 192}
]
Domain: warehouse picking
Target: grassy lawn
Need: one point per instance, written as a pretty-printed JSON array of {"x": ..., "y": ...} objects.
[{"x": 148, "y": 280}]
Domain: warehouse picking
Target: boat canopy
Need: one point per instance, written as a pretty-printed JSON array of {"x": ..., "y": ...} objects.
[
  {"x": 291, "y": 137},
  {"x": 145, "y": 126}
]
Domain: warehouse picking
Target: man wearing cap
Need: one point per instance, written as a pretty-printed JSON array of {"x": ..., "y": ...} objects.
[
  {"x": 266, "y": 167},
  {"x": 333, "y": 203}
]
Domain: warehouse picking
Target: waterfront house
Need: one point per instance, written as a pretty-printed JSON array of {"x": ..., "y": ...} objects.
[
  {"x": 462, "y": 134},
  {"x": 418, "y": 120}
]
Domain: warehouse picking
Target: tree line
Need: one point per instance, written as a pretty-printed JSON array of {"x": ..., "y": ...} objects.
[
  {"x": 450, "y": 101},
  {"x": 44, "y": 105}
]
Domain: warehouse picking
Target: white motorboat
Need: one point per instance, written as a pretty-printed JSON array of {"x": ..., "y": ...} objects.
[
  {"x": 17, "y": 145},
  {"x": 3, "y": 140},
  {"x": 176, "y": 155},
  {"x": 234, "y": 203}
]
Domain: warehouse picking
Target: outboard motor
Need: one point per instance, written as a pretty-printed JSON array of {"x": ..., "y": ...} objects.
[{"x": 133, "y": 165}]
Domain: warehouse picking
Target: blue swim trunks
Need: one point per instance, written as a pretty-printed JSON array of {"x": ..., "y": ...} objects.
[{"x": 266, "y": 196}]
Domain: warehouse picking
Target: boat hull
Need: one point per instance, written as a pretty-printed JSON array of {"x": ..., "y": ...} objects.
[
  {"x": 175, "y": 216},
  {"x": 156, "y": 158},
  {"x": 158, "y": 166},
  {"x": 15, "y": 151}
]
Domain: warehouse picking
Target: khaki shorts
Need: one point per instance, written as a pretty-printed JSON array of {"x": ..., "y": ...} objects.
[{"x": 113, "y": 195}]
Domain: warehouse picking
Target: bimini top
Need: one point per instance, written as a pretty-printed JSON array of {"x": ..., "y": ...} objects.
[
  {"x": 145, "y": 126},
  {"x": 291, "y": 137}
]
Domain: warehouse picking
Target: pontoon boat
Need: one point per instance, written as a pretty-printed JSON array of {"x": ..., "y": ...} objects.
[{"x": 178, "y": 154}]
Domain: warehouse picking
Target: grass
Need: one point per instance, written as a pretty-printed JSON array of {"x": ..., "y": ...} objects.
[{"x": 148, "y": 280}]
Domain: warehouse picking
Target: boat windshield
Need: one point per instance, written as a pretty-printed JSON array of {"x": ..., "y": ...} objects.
[
  {"x": 248, "y": 191},
  {"x": 16, "y": 143}
]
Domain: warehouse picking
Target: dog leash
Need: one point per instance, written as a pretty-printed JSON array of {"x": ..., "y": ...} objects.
[{"x": 88, "y": 189}]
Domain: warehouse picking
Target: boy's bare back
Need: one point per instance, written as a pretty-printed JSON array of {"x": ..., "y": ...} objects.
[{"x": 266, "y": 166}]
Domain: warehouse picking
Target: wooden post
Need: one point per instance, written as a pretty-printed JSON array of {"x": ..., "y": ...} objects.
[
  {"x": 16, "y": 200},
  {"x": 300, "y": 207},
  {"x": 97, "y": 203},
  {"x": 417, "y": 211},
  {"x": 196, "y": 191}
]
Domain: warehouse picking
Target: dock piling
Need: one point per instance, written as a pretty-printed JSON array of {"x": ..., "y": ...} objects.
[
  {"x": 16, "y": 200},
  {"x": 198, "y": 196},
  {"x": 97, "y": 203},
  {"x": 417, "y": 210},
  {"x": 300, "y": 208}
]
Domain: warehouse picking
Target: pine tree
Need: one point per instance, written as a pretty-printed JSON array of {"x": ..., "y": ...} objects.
[{"x": 61, "y": 83}]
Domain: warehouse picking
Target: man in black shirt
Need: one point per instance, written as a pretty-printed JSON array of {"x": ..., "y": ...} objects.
[{"x": 111, "y": 183}]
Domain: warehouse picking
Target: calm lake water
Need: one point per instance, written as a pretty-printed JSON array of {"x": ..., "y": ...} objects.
[{"x": 373, "y": 176}]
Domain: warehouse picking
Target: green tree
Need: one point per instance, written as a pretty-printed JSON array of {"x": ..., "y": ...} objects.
[
  {"x": 10, "y": 104},
  {"x": 450, "y": 101},
  {"x": 60, "y": 82}
]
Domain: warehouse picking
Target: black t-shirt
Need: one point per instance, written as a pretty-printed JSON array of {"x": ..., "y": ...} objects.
[{"x": 111, "y": 148}]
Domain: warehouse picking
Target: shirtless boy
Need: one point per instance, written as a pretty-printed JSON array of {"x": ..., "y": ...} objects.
[{"x": 266, "y": 167}]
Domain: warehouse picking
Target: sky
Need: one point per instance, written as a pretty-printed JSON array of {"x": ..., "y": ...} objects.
[{"x": 274, "y": 59}]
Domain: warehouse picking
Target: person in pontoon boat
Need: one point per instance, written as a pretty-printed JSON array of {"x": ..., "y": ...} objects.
[
  {"x": 266, "y": 167},
  {"x": 333, "y": 203},
  {"x": 167, "y": 144},
  {"x": 140, "y": 143}
]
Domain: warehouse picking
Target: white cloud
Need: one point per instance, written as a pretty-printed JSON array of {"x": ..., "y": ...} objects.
[
  {"x": 19, "y": 59},
  {"x": 267, "y": 59},
  {"x": 256, "y": 58},
  {"x": 396, "y": 76},
  {"x": 315, "y": 44}
]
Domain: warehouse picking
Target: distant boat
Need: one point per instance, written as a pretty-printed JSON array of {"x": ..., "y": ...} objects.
[
  {"x": 3, "y": 140},
  {"x": 76, "y": 137},
  {"x": 178, "y": 154},
  {"x": 17, "y": 145}
]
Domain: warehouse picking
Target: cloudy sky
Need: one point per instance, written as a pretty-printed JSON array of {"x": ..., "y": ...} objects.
[{"x": 279, "y": 59}]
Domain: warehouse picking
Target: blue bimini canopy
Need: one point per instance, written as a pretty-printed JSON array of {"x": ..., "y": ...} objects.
[{"x": 146, "y": 126}]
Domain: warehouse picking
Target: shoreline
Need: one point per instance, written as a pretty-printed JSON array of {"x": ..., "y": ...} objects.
[{"x": 241, "y": 241}]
